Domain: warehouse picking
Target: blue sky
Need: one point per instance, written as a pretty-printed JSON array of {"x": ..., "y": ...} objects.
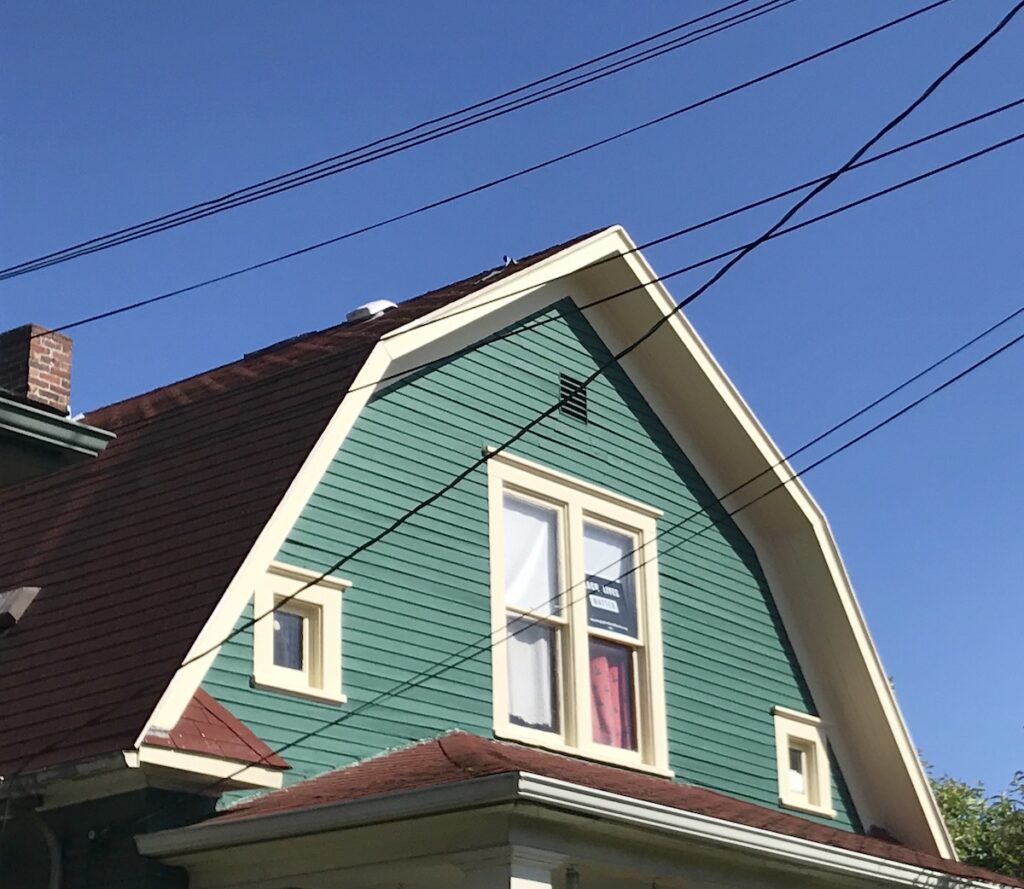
[{"x": 114, "y": 113}]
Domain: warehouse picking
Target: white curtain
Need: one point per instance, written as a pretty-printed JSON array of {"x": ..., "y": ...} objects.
[
  {"x": 608, "y": 554},
  {"x": 531, "y": 556},
  {"x": 531, "y": 699}
]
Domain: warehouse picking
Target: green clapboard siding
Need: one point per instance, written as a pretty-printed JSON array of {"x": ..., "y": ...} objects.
[{"x": 422, "y": 594}]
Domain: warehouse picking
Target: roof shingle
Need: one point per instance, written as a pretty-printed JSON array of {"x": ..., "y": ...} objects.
[
  {"x": 461, "y": 756},
  {"x": 133, "y": 549},
  {"x": 207, "y": 727}
]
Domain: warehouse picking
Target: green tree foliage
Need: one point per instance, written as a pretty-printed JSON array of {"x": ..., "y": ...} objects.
[{"x": 988, "y": 831}]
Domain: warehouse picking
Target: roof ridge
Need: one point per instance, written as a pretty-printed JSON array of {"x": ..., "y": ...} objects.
[{"x": 263, "y": 353}]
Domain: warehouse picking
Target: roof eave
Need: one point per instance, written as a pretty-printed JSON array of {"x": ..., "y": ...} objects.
[{"x": 525, "y": 787}]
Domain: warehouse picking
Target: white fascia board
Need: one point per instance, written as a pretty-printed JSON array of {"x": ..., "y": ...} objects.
[
  {"x": 913, "y": 812},
  {"x": 177, "y": 844},
  {"x": 240, "y": 589},
  {"x": 406, "y": 345},
  {"x": 233, "y": 773},
  {"x": 210, "y": 835},
  {"x": 716, "y": 831},
  {"x": 791, "y": 512}
]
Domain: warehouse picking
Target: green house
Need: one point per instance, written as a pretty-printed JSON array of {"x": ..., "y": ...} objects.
[{"x": 504, "y": 585}]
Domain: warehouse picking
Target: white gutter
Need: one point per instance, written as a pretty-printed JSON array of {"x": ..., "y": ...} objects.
[
  {"x": 218, "y": 834},
  {"x": 527, "y": 787}
]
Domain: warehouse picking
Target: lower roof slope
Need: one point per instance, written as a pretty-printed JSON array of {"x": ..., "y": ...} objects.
[
  {"x": 132, "y": 550},
  {"x": 461, "y": 756},
  {"x": 208, "y": 728}
]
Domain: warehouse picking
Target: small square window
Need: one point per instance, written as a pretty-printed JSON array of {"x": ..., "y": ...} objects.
[
  {"x": 297, "y": 648},
  {"x": 802, "y": 749}
]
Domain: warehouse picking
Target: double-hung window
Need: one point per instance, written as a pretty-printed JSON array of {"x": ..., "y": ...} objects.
[{"x": 577, "y": 659}]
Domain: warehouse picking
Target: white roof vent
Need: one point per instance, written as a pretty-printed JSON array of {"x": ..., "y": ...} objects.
[
  {"x": 13, "y": 604},
  {"x": 369, "y": 310}
]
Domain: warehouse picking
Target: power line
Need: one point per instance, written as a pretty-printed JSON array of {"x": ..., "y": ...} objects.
[
  {"x": 616, "y": 358},
  {"x": 533, "y": 168},
  {"x": 488, "y": 643},
  {"x": 523, "y": 328},
  {"x": 132, "y": 306},
  {"x": 387, "y": 146}
]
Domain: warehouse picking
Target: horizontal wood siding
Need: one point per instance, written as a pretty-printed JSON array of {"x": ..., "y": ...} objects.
[{"x": 420, "y": 597}]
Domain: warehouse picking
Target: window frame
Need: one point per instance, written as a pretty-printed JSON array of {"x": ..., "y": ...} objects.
[
  {"x": 320, "y": 607},
  {"x": 578, "y": 504},
  {"x": 801, "y": 731}
]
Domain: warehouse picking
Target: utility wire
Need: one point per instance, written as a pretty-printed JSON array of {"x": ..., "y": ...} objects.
[
  {"x": 532, "y": 325},
  {"x": 474, "y": 646},
  {"x": 660, "y": 240},
  {"x": 488, "y": 643},
  {"x": 573, "y": 307},
  {"x": 387, "y": 146},
  {"x": 292, "y": 254},
  {"x": 617, "y": 357}
]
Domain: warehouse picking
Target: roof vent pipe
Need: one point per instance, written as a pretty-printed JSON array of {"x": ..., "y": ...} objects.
[{"x": 369, "y": 310}]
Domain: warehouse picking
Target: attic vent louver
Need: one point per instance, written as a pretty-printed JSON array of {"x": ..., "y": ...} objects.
[{"x": 573, "y": 395}]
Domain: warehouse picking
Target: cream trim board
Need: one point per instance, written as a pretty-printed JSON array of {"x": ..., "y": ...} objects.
[
  {"x": 239, "y": 591},
  {"x": 716, "y": 429},
  {"x": 538, "y": 470},
  {"x": 151, "y": 756},
  {"x": 320, "y": 607},
  {"x": 305, "y": 575},
  {"x": 805, "y": 734},
  {"x": 578, "y": 501}
]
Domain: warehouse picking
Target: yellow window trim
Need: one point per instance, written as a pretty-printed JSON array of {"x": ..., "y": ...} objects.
[
  {"x": 794, "y": 729},
  {"x": 320, "y": 605},
  {"x": 581, "y": 501}
]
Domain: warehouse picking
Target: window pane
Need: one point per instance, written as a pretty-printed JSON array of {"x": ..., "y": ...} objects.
[
  {"x": 797, "y": 770},
  {"x": 611, "y": 584},
  {"x": 288, "y": 633},
  {"x": 531, "y": 556},
  {"x": 532, "y": 685},
  {"x": 612, "y": 705}
]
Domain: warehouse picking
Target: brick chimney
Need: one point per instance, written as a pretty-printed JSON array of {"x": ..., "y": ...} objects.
[{"x": 35, "y": 367}]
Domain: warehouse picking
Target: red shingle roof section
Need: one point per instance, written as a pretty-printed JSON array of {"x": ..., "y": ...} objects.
[
  {"x": 461, "y": 756},
  {"x": 133, "y": 549},
  {"x": 209, "y": 728}
]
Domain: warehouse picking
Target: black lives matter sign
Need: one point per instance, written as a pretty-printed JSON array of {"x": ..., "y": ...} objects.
[{"x": 611, "y": 605}]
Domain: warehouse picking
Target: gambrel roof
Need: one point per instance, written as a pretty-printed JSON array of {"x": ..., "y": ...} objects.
[
  {"x": 147, "y": 555},
  {"x": 460, "y": 757},
  {"x": 133, "y": 550}
]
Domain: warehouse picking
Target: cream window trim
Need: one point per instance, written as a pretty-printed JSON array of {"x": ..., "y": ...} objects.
[
  {"x": 580, "y": 502},
  {"x": 805, "y": 735},
  {"x": 320, "y": 608}
]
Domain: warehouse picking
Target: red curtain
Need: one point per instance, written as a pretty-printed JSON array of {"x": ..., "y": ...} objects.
[{"x": 611, "y": 695}]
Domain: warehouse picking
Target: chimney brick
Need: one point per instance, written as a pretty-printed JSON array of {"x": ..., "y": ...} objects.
[{"x": 35, "y": 366}]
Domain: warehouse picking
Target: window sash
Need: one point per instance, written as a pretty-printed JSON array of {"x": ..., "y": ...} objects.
[{"x": 581, "y": 505}]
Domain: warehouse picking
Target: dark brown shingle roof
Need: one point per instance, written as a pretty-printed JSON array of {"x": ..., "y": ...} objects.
[
  {"x": 207, "y": 727},
  {"x": 460, "y": 756},
  {"x": 133, "y": 549}
]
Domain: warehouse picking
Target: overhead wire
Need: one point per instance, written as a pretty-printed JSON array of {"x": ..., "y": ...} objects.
[
  {"x": 652, "y": 243},
  {"x": 387, "y": 147},
  {"x": 319, "y": 245},
  {"x": 487, "y": 642},
  {"x": 531, "y": 325},
  {"x": 616, "y": 358}
]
